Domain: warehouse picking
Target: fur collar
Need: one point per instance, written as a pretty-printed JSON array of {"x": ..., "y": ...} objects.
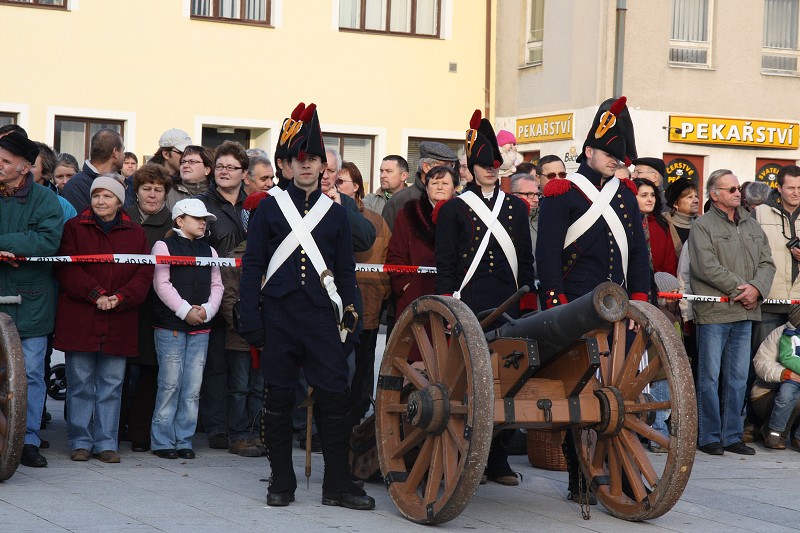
[{"x": 419, "y": 213}]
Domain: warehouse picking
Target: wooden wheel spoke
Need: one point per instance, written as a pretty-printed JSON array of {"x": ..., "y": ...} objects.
[
  {"x": 634, "y": 424},
  {"x": 600, "y": 455},
  {"x": 455, "y": 372},
  {"x": 451, "y": 452},
  {"x": 455, "y": 429},
  {"x": 616, "y": 358},
  {"x": 421, "y": 466},
  {"x": 636, "y": 408},
  {"x": 435, "y": 472},
  {"x": 396, "y": 408},
  {"x": 631, "y": 390},
  {"x": 634, "y": 446},
  {"x": 439, "y": 338},
  {"x": 408, "y": 443},
  {"x": 634, "y": 357},
  {"x": 426, "y": 350},
  {"x": 411, "y": 374},
  {"x": 614, "y": 471},
  {"x": 458, "y": 408},
  {"x": 632, "y": 473},
  {"x": 3, "y": 424}
]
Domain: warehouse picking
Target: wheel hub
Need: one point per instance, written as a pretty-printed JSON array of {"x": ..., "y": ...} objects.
[
  {"x": 429, "y": 409},
  {"x": 612, "y": 410}
]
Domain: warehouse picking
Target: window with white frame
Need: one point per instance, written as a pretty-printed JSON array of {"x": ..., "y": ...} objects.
[
  {"x": 404, "y": 17},
  {"x": 7, "y": 118},
  {"x": 73, "y": 135},
  {"x": 358, "y": 149},
  {"x": 534, "y": 32},
  {"x": 780, "y": 47},
  {"x": 59, "y": 4},
  {"x": 249, "y": 11},
  {"x": 690, "y": 42}
]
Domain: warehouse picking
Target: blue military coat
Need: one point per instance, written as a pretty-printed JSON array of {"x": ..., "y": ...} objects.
[{"x": 594, "y": 257}]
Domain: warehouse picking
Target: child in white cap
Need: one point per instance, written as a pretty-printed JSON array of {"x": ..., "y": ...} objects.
[{"x": 188, "y": 299}]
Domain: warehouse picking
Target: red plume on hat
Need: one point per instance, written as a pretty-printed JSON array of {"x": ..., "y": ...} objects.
[
  {"x": 481, "y": 143},
  {"x": 291, "y": 126},
  {"x": 309, "y": 138}
]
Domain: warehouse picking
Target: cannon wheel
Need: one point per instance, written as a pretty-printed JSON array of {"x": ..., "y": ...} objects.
[
  {"x": 434, "y": 424},
  {"x": 617, "y": 466},
  {"x": 13, "y": 397}
]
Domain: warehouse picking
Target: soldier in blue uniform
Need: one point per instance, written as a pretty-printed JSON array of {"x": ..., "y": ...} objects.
[
  {"x": 485, "y": 270},
  {"x": 575, "y": 253},
  {"x": 301, "y": 241}
]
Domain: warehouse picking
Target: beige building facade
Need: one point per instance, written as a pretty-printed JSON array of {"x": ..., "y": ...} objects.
[
  {"x": 385, "y": 75},
  {"x": 710, "y": 84}
]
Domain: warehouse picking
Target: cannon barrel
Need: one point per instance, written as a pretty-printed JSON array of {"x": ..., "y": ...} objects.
[{"x": 559, "y": 327}]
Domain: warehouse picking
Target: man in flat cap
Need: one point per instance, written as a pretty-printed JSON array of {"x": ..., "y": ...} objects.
[
  {"x": 431, "y": 154},
  {"x": 31, "y": 222}
]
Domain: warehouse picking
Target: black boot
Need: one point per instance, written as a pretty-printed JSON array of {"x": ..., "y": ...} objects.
[
  {"x": 333, "y": 425},
  {"x": 576, "y": 479},
  {"x": 277, "y": 435}
]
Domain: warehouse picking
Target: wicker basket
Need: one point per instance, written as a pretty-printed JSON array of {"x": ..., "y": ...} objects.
[{"x": 544, "y": 449}]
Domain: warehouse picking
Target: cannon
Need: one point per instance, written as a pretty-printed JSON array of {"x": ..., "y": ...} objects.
[
  {"x": 582, "y": 367},
  {"x": 13, "y": 397}
]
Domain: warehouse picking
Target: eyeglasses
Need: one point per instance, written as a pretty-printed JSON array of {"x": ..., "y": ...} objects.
[
  {"x": 731, "y": 190},
  {"x": 554, "y": 175},
  {"x": 176, "y": 151},
  {"x": 339, "y": 181},
  {"x": 637, "y": 172},
  {"x": 529, "y": 195},
  {"x": 191, "y": 162},
  {"x": 229, "y": 168},
  {"x": 451, "y": 164}
]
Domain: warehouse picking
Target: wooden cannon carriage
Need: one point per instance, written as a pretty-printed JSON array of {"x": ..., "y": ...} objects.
[
  {"x": 13, "y": 397},
  {"x": 584, "y": 366}
]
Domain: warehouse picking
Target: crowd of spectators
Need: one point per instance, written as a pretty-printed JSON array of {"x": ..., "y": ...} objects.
[{"x": 152, "y": 354}]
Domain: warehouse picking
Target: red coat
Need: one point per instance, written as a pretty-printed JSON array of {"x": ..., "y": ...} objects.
[
  {"x": 412, "y": 244},
  {"x": 80, "y": 325},
  {"x": 661, "y": 248}
]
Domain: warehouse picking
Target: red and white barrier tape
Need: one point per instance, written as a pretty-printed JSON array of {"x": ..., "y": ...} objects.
[{"x": 177, "y": 260}]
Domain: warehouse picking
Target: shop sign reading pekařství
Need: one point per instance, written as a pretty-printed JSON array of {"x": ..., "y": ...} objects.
[{"x": 733, "y": 132}]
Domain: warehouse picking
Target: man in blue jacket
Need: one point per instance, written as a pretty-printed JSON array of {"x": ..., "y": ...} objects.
[
  {"x": 31, "y": 222},
  {"x": 300, "y": 241}
]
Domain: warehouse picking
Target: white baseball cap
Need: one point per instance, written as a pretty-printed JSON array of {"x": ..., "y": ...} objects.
[
  {"x": 176, "y": 138},
  {"x": 192, "y": 207}
]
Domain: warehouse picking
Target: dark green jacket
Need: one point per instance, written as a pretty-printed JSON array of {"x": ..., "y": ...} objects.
[{"x": 31, "y": 223}]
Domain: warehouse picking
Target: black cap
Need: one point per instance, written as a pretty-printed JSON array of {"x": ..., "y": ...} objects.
[
  {"x": 653, "y": 162},
  {"x": 481, "y": 144},
  {"x": 676, "y": 188},
  {"x": 308, "y": 140},
  {"x": 612, "y": 131},
  {"x": 18, "y": 144}
]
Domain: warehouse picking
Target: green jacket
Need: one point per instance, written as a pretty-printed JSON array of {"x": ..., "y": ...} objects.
[
  {"x": 31, "y": 222},
  {"x": 724, "y": 255},
  {"x": 786, "y": 352}
]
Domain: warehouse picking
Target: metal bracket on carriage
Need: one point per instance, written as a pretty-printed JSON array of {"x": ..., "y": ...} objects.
[
  {"x": 546, "y": 405},
  {"x": 512, "y": 359}
]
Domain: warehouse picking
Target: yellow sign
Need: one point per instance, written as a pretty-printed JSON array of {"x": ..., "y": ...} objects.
[
  {"x": 546, "y": 128},
  {"x": 734, "y": 132}
]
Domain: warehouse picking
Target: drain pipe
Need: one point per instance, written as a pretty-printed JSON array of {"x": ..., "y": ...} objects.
[{"x": 619, "y": 47}]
